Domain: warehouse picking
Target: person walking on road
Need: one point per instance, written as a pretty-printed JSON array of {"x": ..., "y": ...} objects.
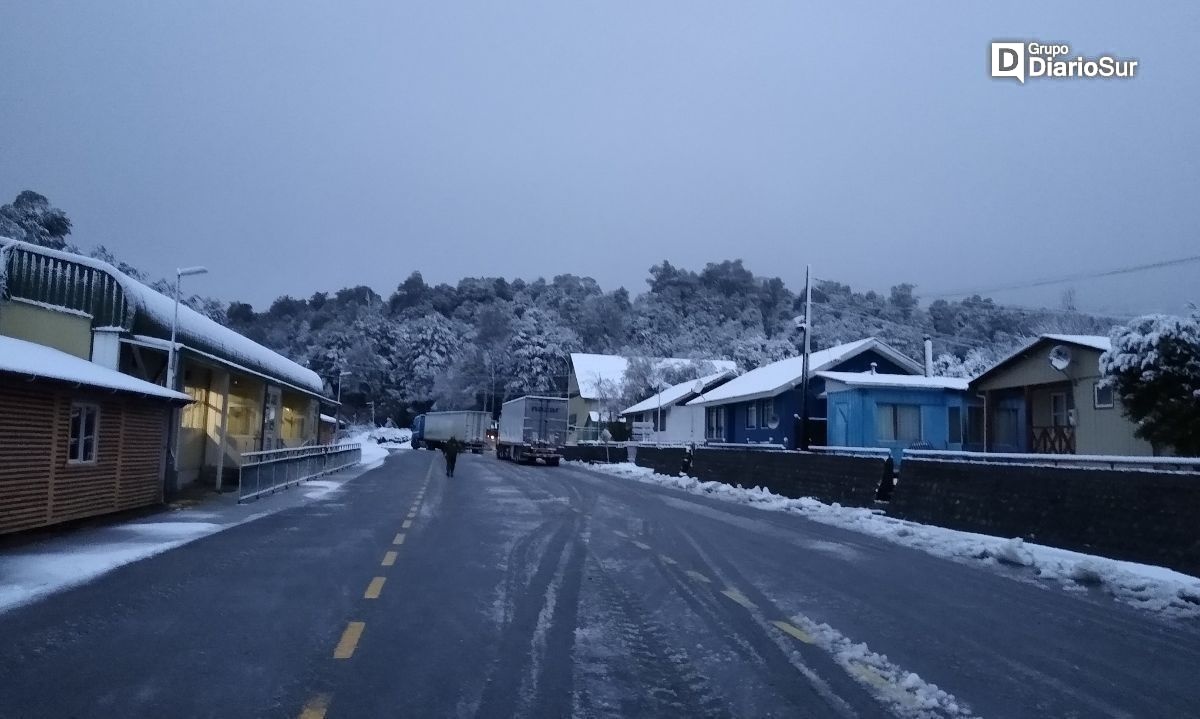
[{"x": 450, "y": 450}]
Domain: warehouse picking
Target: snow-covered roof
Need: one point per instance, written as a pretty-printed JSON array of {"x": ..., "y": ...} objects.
[
  {"x": 1096, "y": 342},
  {"x": 674, "y": 393},
  {"x": 769, "y": 380},
  {"x": 30, "y": 359},
  {"x": 593, "y": 370},
  {"x": 867, "y": 379},
  {"x": 194, "y": 329},
  {"x": 327, "y": 419}
]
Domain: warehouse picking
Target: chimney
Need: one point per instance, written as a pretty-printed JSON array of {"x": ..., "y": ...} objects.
[
  {"x": 874, "y": 366},
  {"x": 928, "y": 356}
]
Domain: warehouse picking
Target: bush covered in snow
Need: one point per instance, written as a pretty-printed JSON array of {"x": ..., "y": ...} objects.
[{"x": 1154, "y": 366}]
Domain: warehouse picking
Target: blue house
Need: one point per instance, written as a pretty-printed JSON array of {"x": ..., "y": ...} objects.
[
  {"x": 902, "y": 411},
  {"x": 763, "y": 406}
]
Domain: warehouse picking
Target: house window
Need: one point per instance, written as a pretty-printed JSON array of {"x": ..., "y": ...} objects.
[
  {"x": 1058, "y": 409},
  {"x": 715, "y": 423},
  {"x": 1102, "y": 396},
  {"x": 752, "y": 415},
  {"x": 898, "y": 422},
  {"x": 85, "y": 423},
  {"x": 954, "y": 418},
  {"x": 767, "y": 414},
  {"x": 660, "y": 420}
]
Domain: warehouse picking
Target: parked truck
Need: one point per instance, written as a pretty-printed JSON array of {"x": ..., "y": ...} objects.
[
  {"x": 532, "y": 429},
  {"x": 433, "y": 429}
]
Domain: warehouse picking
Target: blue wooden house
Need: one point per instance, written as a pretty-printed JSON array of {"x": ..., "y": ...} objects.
[
  {"x": 898, "y": 412},
  {"x": 763, "y": 406}
]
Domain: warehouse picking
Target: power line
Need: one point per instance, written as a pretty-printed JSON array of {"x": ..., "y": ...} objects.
[{"x": 1071, "y": 278}]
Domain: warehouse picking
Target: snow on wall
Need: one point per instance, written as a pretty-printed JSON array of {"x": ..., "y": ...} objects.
[
  {"x": 34, "y": 360},
  {"x": 194, "y": 329}
]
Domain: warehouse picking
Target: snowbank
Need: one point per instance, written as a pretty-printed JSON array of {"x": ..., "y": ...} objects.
[
  {"x": 378, "y": 442},
  {"x": 1146, "y": 587}
]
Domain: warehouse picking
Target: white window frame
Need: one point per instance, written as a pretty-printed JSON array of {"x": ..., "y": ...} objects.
[
  {"x": 893, "y": 409},
  {"x": 79, "y": 411},
  {"x": 767, "y": 416},
  {"x": 752, "y": 415},
  {"x": 1096, "y": 396},
  {"x": 1066, "y": 410}
]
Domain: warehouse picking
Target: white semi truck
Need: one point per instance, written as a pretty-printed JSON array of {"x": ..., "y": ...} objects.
[
  {"x": 433, "y": 429},
  {"x": 533, "y": 428}
]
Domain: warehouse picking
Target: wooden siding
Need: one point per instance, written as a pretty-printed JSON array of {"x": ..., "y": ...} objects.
[{"x": 39, "y": 487}]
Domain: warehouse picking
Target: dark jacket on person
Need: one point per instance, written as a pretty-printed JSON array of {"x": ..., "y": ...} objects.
[{"x": 451, "y": 448}]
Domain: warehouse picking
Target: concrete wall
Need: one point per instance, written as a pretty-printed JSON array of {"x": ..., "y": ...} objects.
[
  {"x": 663, "y": 460},
  {"x": 64, "y": 331},
  {"x": 851, "y": 481},
  {"x": 1139, "y": 516},
  {"x": 594, "y": 453}
]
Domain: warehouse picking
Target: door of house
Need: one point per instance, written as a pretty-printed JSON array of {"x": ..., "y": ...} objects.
[
  {"x": 271, "y": 408},
  {"x": 840, "y": 431}
]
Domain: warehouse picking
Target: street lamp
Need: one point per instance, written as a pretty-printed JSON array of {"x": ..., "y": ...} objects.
[
  {"x": 338, "y": 417},
  {"x": 172, "y": 353}
]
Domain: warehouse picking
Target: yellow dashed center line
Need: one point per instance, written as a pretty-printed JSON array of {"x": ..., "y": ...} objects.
[
  {"x": 667, "y": 560},
  {"x": 316, "y": 707},
  {"x": 399, "y": 539},
  {"x": 407, "y": 524},
  {"x": 738, "y": 597},
  {"x": 349, "y": 641},
  {"x": 641, "y": 545},
  {"x": 374, "y": 588},
  {"x": 621, "y": 534},
  {"x": 795, "y": 631},
  {"x": 698, "y": 576},
  {"x": 388, "y": 559}
]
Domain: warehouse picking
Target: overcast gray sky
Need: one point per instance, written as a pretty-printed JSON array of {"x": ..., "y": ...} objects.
[{"x": 293, "y": 147}]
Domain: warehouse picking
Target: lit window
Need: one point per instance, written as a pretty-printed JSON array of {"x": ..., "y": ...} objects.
[
  {"x": 85, "y": 421},
  {"x": 767, "y": 414},
  {"x": 752, "y": 415},
  {"x": 1102, "y": 396}
]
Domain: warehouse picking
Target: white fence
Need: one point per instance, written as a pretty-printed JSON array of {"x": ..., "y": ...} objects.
[{"x": 1101, "y": 461}]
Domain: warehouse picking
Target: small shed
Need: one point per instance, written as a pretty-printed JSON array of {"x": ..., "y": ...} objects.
[
  {"x": 900, "y": 412},
  {"x": 76, "y": 439}
]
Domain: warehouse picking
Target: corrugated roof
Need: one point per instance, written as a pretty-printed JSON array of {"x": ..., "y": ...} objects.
[
  {"x": 30, "y": 359},
  {"x": 673, "y": 394},
  {"x": 770, "y": 380},
  {"x": 593, "y": 370}
]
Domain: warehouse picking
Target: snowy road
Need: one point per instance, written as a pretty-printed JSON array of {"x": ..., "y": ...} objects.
[{"x": 537, "y": 591}]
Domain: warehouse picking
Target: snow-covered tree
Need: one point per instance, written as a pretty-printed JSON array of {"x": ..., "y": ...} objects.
[
  {"x": 1154, "y": 366},
  {"x": 974, "y": 363},
  {"x": 30, "y": 218},
  {"x": 538, "y": 353}
]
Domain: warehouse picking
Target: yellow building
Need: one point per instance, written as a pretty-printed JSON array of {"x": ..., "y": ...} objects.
[{"x": 246, "y": 398}]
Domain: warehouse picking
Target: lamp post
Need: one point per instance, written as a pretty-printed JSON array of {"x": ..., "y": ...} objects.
[
  {"x": 807, "y": 327},
  {"x": 338, "y": 418},
  {"x": 172, "y": 353}
]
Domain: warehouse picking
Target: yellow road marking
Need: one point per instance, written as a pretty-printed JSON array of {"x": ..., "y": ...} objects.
[
  {"x": 399, "y": 539},
  {"x": 407, "y": 524},
  {"x": 374, "y": 588},
  {"x": 641, "y": 545},
  {"x": 738, "y": 597},
  {"x": 870, "y": 675},
  {"x": 389, "y": 559},
  {"x": 667, "y": 560},
  {"x": 698, "y": 576},
  {"x": 349, "y": 641},
  {"x": 316, "y": 707},
  {"x": 412, "y": 514},
  {"x": 621, "y": 534},
  {"x": 795, "y": 631}
]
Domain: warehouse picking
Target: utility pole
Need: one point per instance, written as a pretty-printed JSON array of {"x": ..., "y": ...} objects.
[{"x": 807, "y": 348}]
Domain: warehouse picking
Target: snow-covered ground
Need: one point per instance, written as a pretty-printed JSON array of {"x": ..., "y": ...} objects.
[
  {"x": 1146, "y": 587},
  {"x": 378, "y": 442}
]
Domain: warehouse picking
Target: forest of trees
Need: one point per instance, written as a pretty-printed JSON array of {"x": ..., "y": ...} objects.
[{"x": 484, "y": 339}]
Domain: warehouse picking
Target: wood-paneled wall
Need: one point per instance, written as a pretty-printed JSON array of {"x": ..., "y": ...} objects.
[{"x": 39, "y": 487}]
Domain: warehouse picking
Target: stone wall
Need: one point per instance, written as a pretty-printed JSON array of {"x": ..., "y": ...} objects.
[
  {"x": 595, "y": 453},
  {"x": 850, "y": 481}
]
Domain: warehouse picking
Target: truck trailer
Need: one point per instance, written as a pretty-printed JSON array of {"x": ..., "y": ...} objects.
[
  {"x": 433, "y": 429},
  {"x": 532, "y": 429}
]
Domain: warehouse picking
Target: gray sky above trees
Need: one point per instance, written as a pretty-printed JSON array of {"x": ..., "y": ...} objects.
[{"x": 294, "y": 148}]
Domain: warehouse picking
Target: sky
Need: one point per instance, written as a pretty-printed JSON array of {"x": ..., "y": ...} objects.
[{"x": 296, "y": 147}]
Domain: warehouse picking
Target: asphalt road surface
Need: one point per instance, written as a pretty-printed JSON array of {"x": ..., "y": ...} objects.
[{"x": 554, "y": 591}]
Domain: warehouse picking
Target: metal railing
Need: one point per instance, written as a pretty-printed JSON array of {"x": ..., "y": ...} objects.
[
  {"x": 1101, "y": 461},
  {"x": 852, "y": 451},
  {"x": 265, "y": 472}
]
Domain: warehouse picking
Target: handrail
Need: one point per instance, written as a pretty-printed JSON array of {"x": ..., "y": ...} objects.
[
  {"x": 1058, "y": 460},
  {"x": 869, "y": 451},
  {"x": 273, "y": 469}
]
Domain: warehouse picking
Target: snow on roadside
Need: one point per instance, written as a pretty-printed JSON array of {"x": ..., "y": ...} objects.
[{"x": 1146, "y": 587}]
